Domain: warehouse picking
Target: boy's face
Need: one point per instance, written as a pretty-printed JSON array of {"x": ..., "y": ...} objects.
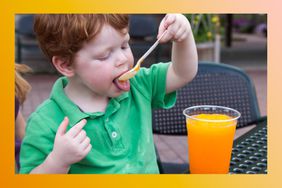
[{"x": 102, "y": 60}]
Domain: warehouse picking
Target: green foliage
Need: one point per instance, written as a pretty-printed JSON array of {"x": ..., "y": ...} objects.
[{"x": 204, "y": 26}]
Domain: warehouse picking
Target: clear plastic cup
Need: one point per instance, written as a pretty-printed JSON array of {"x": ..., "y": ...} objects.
[{"x": 211, "y": 131}]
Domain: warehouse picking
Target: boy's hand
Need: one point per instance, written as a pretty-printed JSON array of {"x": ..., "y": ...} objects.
[
  {"x": 178, "y": 28},
  {"x": 72, "y": 146}
]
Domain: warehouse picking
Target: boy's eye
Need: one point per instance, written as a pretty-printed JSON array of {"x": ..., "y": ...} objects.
[{"x": 104, "y": 57}]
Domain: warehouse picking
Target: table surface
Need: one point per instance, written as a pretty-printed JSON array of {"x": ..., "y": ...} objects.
[{"x": 249, "y": 153}]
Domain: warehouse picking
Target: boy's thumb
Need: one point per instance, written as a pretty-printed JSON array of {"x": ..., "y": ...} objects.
[{"x": 63, "y": 126}]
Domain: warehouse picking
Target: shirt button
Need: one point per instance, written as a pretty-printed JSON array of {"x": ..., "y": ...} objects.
[
  {"x": 107, "y": 120},
  {"x": 114, "y": 134}
]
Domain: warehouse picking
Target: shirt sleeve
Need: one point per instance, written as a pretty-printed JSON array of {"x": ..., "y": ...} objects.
[
  {"x": 37, "y": 143},
  {"x": 152, "y": 83}
]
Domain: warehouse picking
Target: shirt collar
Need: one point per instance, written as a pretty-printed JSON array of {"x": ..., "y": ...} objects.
[{"x": 71, "y": 110}]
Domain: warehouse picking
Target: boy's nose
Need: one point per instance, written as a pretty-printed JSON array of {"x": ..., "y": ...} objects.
[{"x": 121, "y": 59}]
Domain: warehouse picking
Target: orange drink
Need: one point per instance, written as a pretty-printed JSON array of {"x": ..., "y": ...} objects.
[{"x": 211, "y": 132}]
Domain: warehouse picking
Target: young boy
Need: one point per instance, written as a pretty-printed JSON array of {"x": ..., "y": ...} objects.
[{"x": 92, "y": 123}]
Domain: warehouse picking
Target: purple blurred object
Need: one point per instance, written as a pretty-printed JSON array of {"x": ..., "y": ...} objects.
[
  {"x": 243, "y": 25},
  {"x": 17, "y": 152},
  {"x": 261, "y": 29},
  {"x": 17, "y": 142}
]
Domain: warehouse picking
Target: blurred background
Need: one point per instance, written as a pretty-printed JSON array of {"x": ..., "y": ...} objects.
[{"x": 235, "y": 39}]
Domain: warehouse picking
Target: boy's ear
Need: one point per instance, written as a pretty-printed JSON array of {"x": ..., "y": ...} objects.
[{"x": 63, "y": 66}]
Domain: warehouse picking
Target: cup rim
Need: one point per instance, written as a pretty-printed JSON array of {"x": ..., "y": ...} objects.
[{"x": 209, "y": 106}]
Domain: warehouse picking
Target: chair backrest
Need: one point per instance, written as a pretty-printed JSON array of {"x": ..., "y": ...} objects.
[
  {"x": 214, "y": 84},
  {"x": 143, "y": 30},
  {"x": 142, "y": 26}
]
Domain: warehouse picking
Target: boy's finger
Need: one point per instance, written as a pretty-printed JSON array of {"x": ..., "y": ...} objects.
[
  {"x": 63, "y": 126},
  {"x": 163, "y": 26},
  {"x": 170, "y": 19},
  {"x": 76, "y": 128},
  {"x": 161, "y": 29},
  {"x": 179, "y": 33},
  {"x": 88, "y": 149},
  {"x": 168, "y": 36},
  {"x": 85, "y": 143},
  {"x": 80, "y": 136}
]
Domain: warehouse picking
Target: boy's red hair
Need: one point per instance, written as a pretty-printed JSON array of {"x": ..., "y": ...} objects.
[{"x": 64, "y": 34}]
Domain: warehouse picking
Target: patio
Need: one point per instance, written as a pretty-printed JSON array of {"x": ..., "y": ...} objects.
[{"x": 248, "y": 52}]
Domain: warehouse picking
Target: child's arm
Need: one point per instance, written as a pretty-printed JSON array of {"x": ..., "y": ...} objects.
[
  {"x": 68, "y": 149},
  {"x": 184, "y": 53}
]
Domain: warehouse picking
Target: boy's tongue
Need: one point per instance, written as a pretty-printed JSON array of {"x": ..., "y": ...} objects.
[{"x": 122, "y": 85}]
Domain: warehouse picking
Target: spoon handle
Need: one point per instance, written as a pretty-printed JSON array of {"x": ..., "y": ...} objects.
[{"x": 152, "y": 47}]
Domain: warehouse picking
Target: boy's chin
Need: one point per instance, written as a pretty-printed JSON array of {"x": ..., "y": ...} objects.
[{"x": 118, "y": 93}]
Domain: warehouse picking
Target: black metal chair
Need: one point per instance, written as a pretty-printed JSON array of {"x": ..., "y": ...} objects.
[
  {"x": 214, "y": 84},
  {"x": 143, "y": 30},
  {"x": 25, "y": 37}
]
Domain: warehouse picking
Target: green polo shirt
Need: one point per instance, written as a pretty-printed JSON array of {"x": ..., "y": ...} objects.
[{"x": 121, "y": 137}]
